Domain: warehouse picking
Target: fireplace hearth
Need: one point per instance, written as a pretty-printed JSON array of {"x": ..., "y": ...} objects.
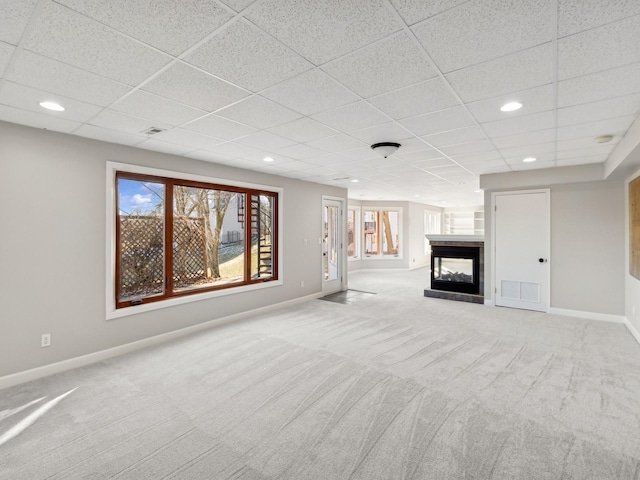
[{"x": 457, "y": 268}]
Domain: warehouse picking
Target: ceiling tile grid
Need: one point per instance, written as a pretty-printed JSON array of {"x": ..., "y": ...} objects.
[{"x": 313, "y": 83}]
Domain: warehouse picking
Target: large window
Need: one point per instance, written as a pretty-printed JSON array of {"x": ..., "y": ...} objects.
[
  {"x": 381, "y": 233},
  {"x": 178, "y": 237}
]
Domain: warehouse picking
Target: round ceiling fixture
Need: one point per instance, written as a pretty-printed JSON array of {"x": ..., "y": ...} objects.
[
  {"x": 604, "y": 138},
  {"x": 511, "y": 107},
  {"x": 385, "y": 148}
]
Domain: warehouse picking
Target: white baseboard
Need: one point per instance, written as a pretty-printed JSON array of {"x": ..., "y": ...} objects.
[
  {"x": 488, "y": 302},
  {"x": 71, "y": 363},
  {"x": 632, "y": 329},
  {"x": 604, "y": 317}
]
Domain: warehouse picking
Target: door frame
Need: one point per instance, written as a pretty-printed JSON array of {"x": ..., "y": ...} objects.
[
  {"x": 547, "y": 192},
  {"x": 342, "y": 251}
]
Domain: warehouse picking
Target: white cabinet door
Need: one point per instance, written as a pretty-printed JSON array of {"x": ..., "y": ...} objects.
[{"x": 522, "y": 250}]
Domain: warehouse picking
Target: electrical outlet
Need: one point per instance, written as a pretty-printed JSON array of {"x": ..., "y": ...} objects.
[
  {"x": 45, "y": 340},
  {"x": 301, "y": 283}
]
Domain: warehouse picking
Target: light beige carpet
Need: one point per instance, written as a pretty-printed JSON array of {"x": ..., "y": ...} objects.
[{"x": 393, "y": 386}]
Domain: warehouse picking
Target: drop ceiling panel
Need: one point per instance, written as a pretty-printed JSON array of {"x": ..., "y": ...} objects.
[
  {"x": 454, "y": 137},
  {"x": 530, "y": 138},
  {"x": 219, "y": 127},
  {"x": 57, "y": 77},
  {"x": 153, "y": 107},
  {"x": 208, "y": 156},
  {"x": 247, "y": 57},
  {"x": 164, "y": 147},
  {"x": 336, "y": 143},
  {"x": 164, "y": 24},
  {"x": 581, "y": 143},
  {"x": 106, "y": 135},
  {"x": 578, "y": 15},
  {"x": 121, "y": 122},
  {"x": 233, "y": 149},
  {"x": 602, "y": 48},
  {"x": 37, "y": 120},
  {"x": 427, "y": 161},
  {"x": 295, "y": 93},
  {"x": 527, "y": 123},
  {"x": 528, "y": 150},
  {"x": 14, "y": 19},
  {"x": 352, "y": 117},
  {"x": 442, "y": 121},
  {"x": 414, "y": 11},
  {"x": 303, "y": 130},
  {"x": 477, "y": 157},
  {"x": 418, "y": 99},
  {"x": 238, "y": 5},
  {"x": 613, "y": 126},
  {"x": 534, "y": 100},
  {"x": 69, "y": 37},
  {"x": 599, "y": 86},
  {"x": 6, "y": 51},
  {"x": 381, "y": 133},
  {"x": 518, "y": 71},
  {"x": 477, "y": 31},
  {"x": 468, "y": 148},
  {"x": 27, "y": 98},
  {"x": 259, "y": 112},
  {"x": 187, "y": 138},
  {"x": 602, "y": 110},
  {"x": 195, "y": 88},
  {"x": 265, "y": 141},
  {"x": 585, "y": 152},
  {"x": 390, "y": 64},
  {"x": 300, "y": 151},
  {"x": 304, "y": 25}
]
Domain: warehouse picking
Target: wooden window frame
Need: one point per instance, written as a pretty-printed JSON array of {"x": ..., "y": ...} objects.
[{"x": 169, "y": 184}]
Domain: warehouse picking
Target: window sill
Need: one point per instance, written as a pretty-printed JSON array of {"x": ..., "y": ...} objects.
[{"x": 113, "y": 313}]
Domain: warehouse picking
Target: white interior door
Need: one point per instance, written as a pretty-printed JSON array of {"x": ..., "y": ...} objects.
[
  {"x": 332, "y": 246},
  {"x": 521, "y": 252}
]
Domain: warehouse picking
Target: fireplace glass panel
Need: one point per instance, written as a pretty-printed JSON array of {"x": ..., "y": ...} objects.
[{"x": 458, "y": 270}]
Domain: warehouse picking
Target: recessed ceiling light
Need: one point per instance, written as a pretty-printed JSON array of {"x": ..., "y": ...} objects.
[
  {"x": 267, "y": 159},
  {"x": 417, "y": 196},
  {"x": 511, "y": 107},
  {"x": 355, "y": 180},
  {"x": 477, "y": 191},
  {"x": 529, "y": 159},
  {"x": 56, "y": 107}
]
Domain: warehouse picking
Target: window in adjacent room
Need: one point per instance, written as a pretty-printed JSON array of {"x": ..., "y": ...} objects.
[
  {"x": 381, "y": 232},
  {"x": 353, "y": 229}
]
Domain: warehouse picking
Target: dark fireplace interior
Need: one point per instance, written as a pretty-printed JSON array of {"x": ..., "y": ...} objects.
[{"x": 455, "y": 269}]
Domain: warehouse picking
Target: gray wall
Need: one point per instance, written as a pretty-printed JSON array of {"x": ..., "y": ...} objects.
[
  {"x": 587, "y": 257},
  {"x": 53, "y": 241}
]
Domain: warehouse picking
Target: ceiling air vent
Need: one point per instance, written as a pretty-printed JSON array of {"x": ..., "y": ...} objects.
[{"x": 153, "y": 131}]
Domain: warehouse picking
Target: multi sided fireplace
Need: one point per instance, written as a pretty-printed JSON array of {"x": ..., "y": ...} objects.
[{"x": 457, "y": 267}]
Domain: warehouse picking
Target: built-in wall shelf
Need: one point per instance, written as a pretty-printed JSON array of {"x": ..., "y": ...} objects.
[{"x": 463, "y": 222}]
